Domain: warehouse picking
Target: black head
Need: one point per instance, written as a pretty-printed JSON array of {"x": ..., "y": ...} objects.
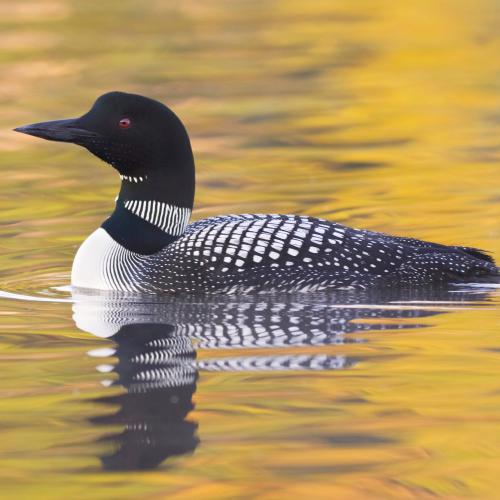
[{"x": 136, "y": 135}]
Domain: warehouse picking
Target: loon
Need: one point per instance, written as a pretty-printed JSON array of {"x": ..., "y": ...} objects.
[{"x": 147, "y": 244}]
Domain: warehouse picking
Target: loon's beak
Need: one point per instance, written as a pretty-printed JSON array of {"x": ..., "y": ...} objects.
[{"x": 58, "y": 130}]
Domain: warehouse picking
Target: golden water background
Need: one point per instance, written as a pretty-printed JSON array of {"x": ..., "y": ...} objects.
[{"x": 377, "y": 114}]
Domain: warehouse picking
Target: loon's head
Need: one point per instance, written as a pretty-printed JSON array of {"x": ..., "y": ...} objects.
[{"x": 140, "y": 137}]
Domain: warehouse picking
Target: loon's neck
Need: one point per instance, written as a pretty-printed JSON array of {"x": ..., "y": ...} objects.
[{"x": 151, "y": 211}]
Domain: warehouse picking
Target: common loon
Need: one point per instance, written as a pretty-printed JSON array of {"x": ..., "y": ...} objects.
[{"x": 148, "y": 245}]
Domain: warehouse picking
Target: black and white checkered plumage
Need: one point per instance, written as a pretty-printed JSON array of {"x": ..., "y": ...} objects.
[
  {"x": 253, "y": 253},
  {"x": 147, "y": 246}
]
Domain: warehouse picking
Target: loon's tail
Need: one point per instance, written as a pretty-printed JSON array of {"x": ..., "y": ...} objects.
[
  {"x": 478, "y": 254},
  {"x": 489, "y": 275},
  {"x": 487, "y": 279}
]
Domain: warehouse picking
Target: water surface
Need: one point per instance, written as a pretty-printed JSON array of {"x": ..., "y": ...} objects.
[{"x": 374, "y": 114}]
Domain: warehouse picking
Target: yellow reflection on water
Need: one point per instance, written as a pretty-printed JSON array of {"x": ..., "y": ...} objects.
[{"x": 382, "y": 115}]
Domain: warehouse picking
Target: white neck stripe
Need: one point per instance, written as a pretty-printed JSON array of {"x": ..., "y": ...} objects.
[
  {"x": 133, "y": 179},
  {"x": 169, "y": 218}
]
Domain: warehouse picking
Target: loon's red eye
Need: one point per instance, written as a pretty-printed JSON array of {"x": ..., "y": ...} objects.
[{"x": 124, "y": 123}]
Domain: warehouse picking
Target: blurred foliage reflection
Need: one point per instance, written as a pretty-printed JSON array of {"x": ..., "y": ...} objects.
[{"x": 377, "y": 114}]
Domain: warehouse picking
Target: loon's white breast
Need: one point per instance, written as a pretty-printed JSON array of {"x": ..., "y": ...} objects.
[{"x": 94, "y": 260}]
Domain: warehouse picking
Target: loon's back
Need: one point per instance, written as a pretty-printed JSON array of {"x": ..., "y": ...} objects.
[{"x": 253, "y": 252}]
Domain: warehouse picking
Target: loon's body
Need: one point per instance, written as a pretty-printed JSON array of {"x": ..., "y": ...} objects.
[
  {"x": 251, "y": 253},
  {"x": 147, "y": 245}
]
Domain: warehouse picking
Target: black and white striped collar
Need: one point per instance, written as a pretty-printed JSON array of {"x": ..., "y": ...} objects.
[{"x": 169, "y": 218}]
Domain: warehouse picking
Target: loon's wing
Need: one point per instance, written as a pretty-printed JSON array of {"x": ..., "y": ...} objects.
[
  {"x": 413, "y": 242},
  {"x": 285, "y": 252}
]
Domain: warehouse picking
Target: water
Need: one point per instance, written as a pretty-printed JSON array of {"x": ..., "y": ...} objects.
[{"x": 377, "y": 115}]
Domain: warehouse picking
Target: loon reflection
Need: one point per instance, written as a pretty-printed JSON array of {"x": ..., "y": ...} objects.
[
  {"x": 154, "y": 409},
  {"x": 156, "y": 340}
]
